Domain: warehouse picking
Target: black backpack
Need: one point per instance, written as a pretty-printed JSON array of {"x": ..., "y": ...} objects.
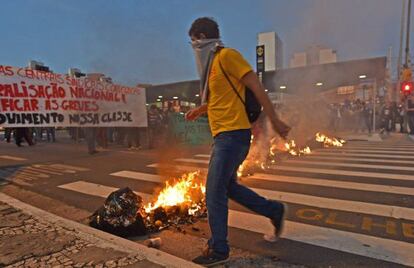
[{"x": 251, "y": 104}]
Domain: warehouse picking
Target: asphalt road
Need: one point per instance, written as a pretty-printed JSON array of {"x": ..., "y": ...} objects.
[{"x": 348, "y": 207}]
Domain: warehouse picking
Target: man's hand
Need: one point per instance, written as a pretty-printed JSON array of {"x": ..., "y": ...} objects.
[{"x": 195, "y": 113}]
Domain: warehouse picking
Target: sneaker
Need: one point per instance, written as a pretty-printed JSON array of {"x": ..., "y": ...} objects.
[
  {"x": 277, "y": 222},
  {"x": 210, "y": 258}
]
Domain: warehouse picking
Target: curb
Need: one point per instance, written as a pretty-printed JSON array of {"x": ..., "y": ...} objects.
[{"x": 101, "y": 238}]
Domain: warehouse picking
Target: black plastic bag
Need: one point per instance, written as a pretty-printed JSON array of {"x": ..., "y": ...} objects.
[{"x": 120, "y": 214}]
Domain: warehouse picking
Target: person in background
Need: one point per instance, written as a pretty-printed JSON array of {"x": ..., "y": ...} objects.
[
  {"x": 385, "y": 115},
  {"x": 23, "y": 133},
  {"x": 51, "y": 134},
  {"x": 7, "y": 134},
  {"x": 154, "y": 124},
  {"x": 90, "y": 136},
  {"x": 410, "y": 113},
  {"x": 231, "y": 130}
]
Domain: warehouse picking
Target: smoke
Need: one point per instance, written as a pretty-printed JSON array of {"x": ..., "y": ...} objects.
[{"x": 357, "y": 28}]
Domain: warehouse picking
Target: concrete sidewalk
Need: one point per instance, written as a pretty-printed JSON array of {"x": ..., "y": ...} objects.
[{"x": 30, "y": 237}]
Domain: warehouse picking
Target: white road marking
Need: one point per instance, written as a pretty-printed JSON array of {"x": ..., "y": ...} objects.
[
  {"x": 97, "y": 189},
  {"x": 360, "y": 244},
  {"x": 62, "y": 166},
  {"x": 345, "y": 173},
  {"x": 405, "y": 148},
  {"x": 202, "y": 155},
  {"x": 190, "y": 160},
  {"x": 339, "y": 204},
  {"x": 14, "y": 158},
  {"x": 373, "y": 155},
  {"x": 336, "y": 164},
  {"x": 137, "y": 176},
  {"x": 328, "y": 158},
  {"x": 379, "y": 248},
  {"x": 335, "y": 183},
  {"x": 340, "y": 150},
  {"x": 183, "y": 168},
  {"x": 42, "y": 170}
]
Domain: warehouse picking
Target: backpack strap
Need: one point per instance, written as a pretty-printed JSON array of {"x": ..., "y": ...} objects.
[{"x": 228, "y": 79}]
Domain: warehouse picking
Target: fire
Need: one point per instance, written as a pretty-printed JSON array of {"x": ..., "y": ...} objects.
[
  {"x": 296, "y": 151},
  {"x": 328, "y": 141},
  {"x": 184, "y": 192}
]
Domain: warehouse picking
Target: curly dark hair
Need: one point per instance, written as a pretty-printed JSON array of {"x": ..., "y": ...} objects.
[{"x": 205, "y": 25}]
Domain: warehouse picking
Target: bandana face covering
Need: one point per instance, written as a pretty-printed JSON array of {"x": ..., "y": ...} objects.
[{"x": 204, "y": 50}]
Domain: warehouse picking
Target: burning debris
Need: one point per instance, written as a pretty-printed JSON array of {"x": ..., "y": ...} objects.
[
  {"x": 328, "y": 141},
  {"x": 296, "y": 151},
  {"x": 279, "y": 150},
  {"x": 179, "y": 202}
]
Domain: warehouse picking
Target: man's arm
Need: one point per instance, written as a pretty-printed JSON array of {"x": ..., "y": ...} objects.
[
  {"x": 251, "y": 81},
  {"x": 195, "y": 113}
]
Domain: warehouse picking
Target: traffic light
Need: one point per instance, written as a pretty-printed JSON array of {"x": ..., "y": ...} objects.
[{"x": 407, "y": 87}]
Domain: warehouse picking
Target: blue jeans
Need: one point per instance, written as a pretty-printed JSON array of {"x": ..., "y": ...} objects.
[{"x": 229, "y": 151}]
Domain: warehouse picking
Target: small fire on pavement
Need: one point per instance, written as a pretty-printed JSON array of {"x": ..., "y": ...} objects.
[
  {"x": 276, "y": 151},
  {"x": 329, "y": 141},
  {"x": 179, "y": 201}
]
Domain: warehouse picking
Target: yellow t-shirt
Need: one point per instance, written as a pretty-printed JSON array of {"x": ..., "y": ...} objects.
[{"x": 225, "y": 110}]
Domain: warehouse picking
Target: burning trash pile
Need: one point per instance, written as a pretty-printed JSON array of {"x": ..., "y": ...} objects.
[{"x": 179, "y": 202}]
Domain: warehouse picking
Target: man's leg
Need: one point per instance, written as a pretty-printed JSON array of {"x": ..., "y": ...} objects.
[{"x": 229, "y": 151}]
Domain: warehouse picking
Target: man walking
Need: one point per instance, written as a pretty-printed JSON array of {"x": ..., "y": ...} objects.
[{"x": 230, "y": 128}]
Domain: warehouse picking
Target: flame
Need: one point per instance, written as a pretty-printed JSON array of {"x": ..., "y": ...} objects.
[
  {"x": 294, "y": 150},
  {"x": 328, "y": 141},
  {"x": 185, "y": 191}
]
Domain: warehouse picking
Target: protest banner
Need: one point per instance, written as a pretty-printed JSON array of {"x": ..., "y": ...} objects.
[
  {"x": 190, "y": 132},
  {"x": 31, "y": 98}
]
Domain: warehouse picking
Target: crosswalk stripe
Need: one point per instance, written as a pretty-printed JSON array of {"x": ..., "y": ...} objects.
[
  {"x": 62, "y": 166},
  {"x": 202, "y": 155},
  {"x": 353, "y": 206},
  {"x": 31, "y": 173},
  {"x": 97, "y": 189},
  {"x": 360, "y": 244},
  {"x": 329, "y": 158},
  {"x": 372, "y": 155},
  {"x": 345, "y": 173},
  {"x": 39, "y": 169},
  {"x": 335, "y": 184},
  {"x": 190, "y": 160},
  {"x": 184, "y": 168},
  {"x": 53, "y": 169},
  {"x": 379, "y": 248},
  {"x": 379, "y": 148},
  {"x": 339, "y": 204},
  {"x": 14, "y": 158},
  {"x": 137, "y": 176},
  {"x": 336, "y": 164},
  {"x": 340, "y": 150}
]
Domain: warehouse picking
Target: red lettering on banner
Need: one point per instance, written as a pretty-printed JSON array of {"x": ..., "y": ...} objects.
[
  {"x": 6, "y": 70},
  {"x": 20, "y": 105}
]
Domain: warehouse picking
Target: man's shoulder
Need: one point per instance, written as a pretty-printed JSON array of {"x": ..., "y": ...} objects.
[{"x": 229, "y": 52}]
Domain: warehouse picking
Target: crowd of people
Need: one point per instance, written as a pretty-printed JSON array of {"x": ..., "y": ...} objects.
[
  {"x": 358, "y": 116},
  {"x": 31, "y": 135}
]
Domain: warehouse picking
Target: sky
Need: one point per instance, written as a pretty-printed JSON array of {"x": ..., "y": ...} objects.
[{"x": 146, "y": 41}]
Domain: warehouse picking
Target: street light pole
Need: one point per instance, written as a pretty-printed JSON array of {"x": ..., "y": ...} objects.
[
  {"x": 375, "y": 104},
  {"x": 407, "y": 39}
]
